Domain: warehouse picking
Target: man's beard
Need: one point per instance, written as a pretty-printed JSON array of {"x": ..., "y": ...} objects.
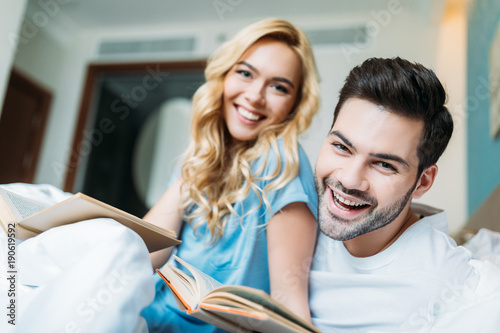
[{"x": 342, "y": 229}]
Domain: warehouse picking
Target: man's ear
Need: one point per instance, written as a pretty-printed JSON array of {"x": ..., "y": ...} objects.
[{"x": 425, "y": 182}]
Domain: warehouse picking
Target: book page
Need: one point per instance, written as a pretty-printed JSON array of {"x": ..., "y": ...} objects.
[
  {"x": 263, "y": 299},
  {"x": 81, "y": 207},
  {"x": 258, "y": 322},
  {"x": 187, "y": 280},
  {"x": 218, "y": 321},
  {"x": 204, "y": 282},
  {"x": 255, "y": 310},
  {"x": 180, "y": 286},
  {"x": 20, "y": 206},
  {"x": 235, "y": 304}
]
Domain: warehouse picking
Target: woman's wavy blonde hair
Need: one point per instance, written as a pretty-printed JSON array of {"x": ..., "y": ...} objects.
[{"x": 216, "y": 171}]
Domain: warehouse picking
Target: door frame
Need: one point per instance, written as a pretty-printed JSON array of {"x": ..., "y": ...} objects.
[
  {"x": 89, "y": 96},
  {"x": 43, "y": 98}
]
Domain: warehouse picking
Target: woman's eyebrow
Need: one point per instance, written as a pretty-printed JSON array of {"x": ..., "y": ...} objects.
[
  {"x": 248, "y": 65},
  {"x": 277, "y": 78}
]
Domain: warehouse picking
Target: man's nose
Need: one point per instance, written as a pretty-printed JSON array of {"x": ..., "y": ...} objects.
[{"x": 353, "y": 176}]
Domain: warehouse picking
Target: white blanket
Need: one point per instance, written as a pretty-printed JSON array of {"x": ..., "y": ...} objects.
[
  {"x": 96, "y": 276},
  {"x": 92, "y": 276},
  {"x": 485, "y": 245}
]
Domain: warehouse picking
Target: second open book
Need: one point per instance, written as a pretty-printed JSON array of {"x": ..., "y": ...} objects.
[
  {"x": 27, "y": 218},
  {"x": 232, "y": 308}
]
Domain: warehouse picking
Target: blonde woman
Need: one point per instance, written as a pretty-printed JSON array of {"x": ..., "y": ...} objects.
[{"x": 244, "y": 200}]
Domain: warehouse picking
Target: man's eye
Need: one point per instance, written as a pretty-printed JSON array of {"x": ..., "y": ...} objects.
[
  {"x": 340, "y": 147},
  {"x": 387, "y": 166}
]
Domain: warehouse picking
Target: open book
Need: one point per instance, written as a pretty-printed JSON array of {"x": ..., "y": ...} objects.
[
  {"x": 31, "y": 217},
  {"x": 232, "y": 308}
]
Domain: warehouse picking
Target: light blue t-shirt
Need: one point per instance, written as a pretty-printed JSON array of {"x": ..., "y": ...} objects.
[{"x": 240, "y": 256}]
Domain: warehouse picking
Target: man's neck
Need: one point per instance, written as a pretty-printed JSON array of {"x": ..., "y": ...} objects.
[{"x": 378, "y": 240}]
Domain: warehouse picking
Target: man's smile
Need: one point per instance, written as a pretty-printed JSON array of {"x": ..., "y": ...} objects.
[{"x": 347, "y": 204}]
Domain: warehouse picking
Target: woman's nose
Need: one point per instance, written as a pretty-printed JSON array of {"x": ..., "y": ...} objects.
[{"x": 255, "y": 93}]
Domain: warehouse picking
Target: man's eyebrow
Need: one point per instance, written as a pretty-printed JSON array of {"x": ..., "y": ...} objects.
[
  {"x": 277, "y": 78},
  {"x": 383, "y": 156},
  {"x": 392, "y": 157},
  {"x": 343, "y": 138}
]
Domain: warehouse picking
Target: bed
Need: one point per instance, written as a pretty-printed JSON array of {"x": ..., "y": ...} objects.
[
  {"x": 48, "y": 278},
  {"x": 481, "y": 233},
  {"x": 93, "y": 276}
]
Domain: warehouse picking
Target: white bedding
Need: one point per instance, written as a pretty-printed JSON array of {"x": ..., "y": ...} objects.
[
  {"x": 485, "y": 245},
  {"x": 96, "y": 276},
  {"x": 466, "y": 309},
  {"x": 92, "y": 276}
]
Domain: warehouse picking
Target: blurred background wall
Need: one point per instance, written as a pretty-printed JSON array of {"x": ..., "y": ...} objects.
[{"x": 59, "y": 39}]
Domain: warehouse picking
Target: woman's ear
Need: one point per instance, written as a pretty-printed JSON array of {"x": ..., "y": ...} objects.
[{"x": 425, "y": 182}]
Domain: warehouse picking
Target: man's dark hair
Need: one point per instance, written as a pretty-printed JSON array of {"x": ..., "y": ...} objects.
[{"x": 409, "y": 90}]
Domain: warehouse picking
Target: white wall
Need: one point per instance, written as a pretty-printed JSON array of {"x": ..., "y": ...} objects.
[
  {"x": 441, "y": 47},
  {"x": 12, "y": 14},
  {"x": 450, "y": 188},
  {"x": 403, "y": 34},
  {"x": 400, "y": 32},
  {"x": 60, "y": 65}
]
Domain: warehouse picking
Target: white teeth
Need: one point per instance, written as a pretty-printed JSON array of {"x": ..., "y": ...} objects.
[
  {"x": 345, "y": 201},
  {"x": 246, "y": 114}
]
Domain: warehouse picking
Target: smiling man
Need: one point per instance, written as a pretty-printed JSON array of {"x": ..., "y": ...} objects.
[
  {"x": 382, "y": 263},
  {"x": 367, "y": 172}
]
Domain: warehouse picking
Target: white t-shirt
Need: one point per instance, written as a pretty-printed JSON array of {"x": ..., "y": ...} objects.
[{"x": 422, "y": 277}]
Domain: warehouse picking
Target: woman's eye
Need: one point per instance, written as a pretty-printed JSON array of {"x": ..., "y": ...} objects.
[
  {"x": 280, "y": 88},
  {"x": 244, "y": 73}
]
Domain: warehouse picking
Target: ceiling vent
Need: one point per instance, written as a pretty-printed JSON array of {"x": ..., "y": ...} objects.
[
  {"x": 338, "y": 36},
  {"x": 147, "y": 46},
  {"x": 188, "y": 45}
]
